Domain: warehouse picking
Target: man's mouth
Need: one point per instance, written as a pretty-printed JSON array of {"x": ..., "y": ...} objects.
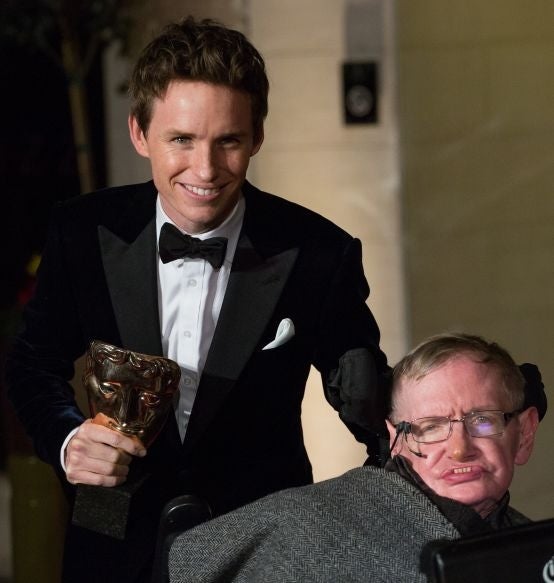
[
  {"x": 462, "y": 474},
  {"x": 201, "y": 191}
]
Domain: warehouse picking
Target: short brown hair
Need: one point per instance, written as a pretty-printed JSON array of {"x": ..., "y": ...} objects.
[
  {"x": 198, "y": 51},
  {"x": 439, "y": 349}
]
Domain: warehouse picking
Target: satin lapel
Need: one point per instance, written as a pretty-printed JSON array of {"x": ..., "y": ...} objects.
[
  {"x": 130, "y": 269},
  {"x": 255, "y": 285}
]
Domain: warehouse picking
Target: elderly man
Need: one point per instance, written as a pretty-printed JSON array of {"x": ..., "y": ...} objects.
[{"x": 461, "y": 417}]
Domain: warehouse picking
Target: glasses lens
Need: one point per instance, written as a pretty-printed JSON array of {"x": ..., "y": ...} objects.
[
  {"x": 484, "y": 423},
  {"x": 430, "y": 429}
]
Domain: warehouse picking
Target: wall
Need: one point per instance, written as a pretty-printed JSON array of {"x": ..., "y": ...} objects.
[{"x": 476, "y": 88}]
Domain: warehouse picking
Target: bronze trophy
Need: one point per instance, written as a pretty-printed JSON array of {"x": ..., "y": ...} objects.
[{"x": 132, "y": 393}]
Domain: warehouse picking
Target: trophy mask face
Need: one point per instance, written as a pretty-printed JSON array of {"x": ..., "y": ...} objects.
[{"x": 128, "y": 391}]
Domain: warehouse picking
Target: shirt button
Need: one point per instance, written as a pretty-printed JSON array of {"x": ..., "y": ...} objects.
[
  {"x": 191, "y": 283},
  {"x": 188, "y": 381},
  {"x": 187, "y": 334}
]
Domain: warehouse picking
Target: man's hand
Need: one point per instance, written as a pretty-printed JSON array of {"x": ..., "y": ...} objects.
[{"x": 100, "y": 456}]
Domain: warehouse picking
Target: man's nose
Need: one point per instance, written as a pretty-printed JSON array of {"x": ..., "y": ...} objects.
[
  {"x": 205, "y": 163},
  {"x": 460, "y": 443}
]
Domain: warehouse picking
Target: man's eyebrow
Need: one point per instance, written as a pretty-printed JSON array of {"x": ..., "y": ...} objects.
[
  {"x": 237, "y": 134},
  {"x": 178, "y": 132},
  {"x": 175, "y": 132}
]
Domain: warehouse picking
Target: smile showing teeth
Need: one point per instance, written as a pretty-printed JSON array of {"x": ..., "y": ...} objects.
[
  {"x": 201, "y": 191},
  {"x": 465, "y": 470}
]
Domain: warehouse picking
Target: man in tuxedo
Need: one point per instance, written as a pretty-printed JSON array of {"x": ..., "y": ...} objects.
[{"x": 244, "y": 290}]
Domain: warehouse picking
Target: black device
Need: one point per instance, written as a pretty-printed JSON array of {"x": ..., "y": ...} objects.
[
  {"x": 359, "y": 92},
  {"x": 520, "y": 554},
  {"x": 178, "y": 515}
]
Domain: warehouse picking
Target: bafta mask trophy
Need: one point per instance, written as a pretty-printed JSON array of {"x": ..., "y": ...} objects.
[{"x": 131, "y": 393}]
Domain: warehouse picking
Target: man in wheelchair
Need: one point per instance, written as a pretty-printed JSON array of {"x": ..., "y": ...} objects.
[{"x": 461, "y": 416}]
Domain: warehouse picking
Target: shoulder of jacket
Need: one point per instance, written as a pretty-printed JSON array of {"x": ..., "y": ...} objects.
[
  {"x": 110, "y": 196},
  {"x": 296, "y": 219}
]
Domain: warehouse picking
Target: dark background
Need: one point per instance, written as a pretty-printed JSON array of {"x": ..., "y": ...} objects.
[{"x": 37, "y": 168}]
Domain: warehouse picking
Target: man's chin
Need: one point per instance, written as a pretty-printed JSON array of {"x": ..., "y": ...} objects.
[{"x": 469, "y": 494}]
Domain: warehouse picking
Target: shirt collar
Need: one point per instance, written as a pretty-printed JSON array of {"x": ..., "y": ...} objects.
[{"x": 229, "y": 228}]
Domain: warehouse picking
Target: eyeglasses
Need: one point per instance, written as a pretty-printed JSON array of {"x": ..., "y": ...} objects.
[{"x": 476, "y": 423}]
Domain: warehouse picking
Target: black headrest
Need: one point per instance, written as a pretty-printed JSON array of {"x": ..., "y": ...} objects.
[{"x": 535, "y": 395}]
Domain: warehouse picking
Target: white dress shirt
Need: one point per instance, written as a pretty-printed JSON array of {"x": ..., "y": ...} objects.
[{"x": 190, "y": 294}]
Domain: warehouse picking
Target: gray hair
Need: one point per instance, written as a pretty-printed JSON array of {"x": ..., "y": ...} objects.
[{"x": 439, "y": 349}]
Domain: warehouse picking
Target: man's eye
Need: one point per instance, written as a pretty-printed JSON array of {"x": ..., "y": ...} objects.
[
  {"x": 150, "y": 400},
  {"x": 430, "y": 426},
  {"x": 482, "y": 419},
  {"x": 107, "y": 390},
  {"x": 182, "y": 140},
  {"x": 230, "y": 142},
  {"x": 427, "y": 430}
]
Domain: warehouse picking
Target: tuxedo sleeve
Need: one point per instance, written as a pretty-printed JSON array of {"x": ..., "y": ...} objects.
[
  {"x": 351, "y": 363},
  {"x": 40, "y": 361}
]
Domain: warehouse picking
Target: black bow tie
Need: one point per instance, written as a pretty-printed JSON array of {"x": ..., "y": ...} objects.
[{"x": 174, "y": 245}]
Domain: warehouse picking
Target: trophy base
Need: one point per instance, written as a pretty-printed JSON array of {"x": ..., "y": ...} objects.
[{"x": 106, "y": 510}]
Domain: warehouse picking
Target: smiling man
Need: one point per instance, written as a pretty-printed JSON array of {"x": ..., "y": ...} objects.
[
  {"x": 199, "y": 141},
  {"x": 462, "y": 418},
  {"x": 243, "y": 289}
]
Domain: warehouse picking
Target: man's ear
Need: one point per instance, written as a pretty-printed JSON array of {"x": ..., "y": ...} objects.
[
  {"x": 528, "y": 425},
  {"x": 258, "y": 141},
  {"x": 138, "y": 138},
  {"x": 392, "y": 436}
]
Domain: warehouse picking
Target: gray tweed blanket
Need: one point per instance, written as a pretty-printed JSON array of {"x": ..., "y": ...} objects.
[{"x": 366, "y": 525}]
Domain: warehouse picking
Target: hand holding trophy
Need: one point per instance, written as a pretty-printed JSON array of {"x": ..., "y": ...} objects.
[{"x": 131, "y": 393}]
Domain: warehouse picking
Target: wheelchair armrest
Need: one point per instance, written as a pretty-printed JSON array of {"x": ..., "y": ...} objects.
[{"x": 178, "y": 515}]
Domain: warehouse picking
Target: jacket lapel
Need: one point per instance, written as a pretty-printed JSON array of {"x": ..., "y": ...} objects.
[
  {"x": 256, "y": 282},
  {"x": 130, "y": 267}
]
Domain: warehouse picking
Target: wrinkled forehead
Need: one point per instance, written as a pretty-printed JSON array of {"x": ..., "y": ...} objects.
[{"x": 460, "y": 384}]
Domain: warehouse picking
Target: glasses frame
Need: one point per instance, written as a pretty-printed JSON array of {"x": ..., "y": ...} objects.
[{"x": 406, "y": 426}]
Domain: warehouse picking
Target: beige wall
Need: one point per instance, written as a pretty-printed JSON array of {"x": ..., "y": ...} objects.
[{"x": 476, "y": 95}]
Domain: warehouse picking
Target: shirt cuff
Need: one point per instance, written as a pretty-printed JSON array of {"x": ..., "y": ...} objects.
[{"x": 64, "y": 445}]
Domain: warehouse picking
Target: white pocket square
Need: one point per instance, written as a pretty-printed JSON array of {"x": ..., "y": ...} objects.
[{"x": 285, "y": 331}]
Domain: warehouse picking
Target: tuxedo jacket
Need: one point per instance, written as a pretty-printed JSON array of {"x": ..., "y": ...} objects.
[{"x": 98, "y": 280}]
